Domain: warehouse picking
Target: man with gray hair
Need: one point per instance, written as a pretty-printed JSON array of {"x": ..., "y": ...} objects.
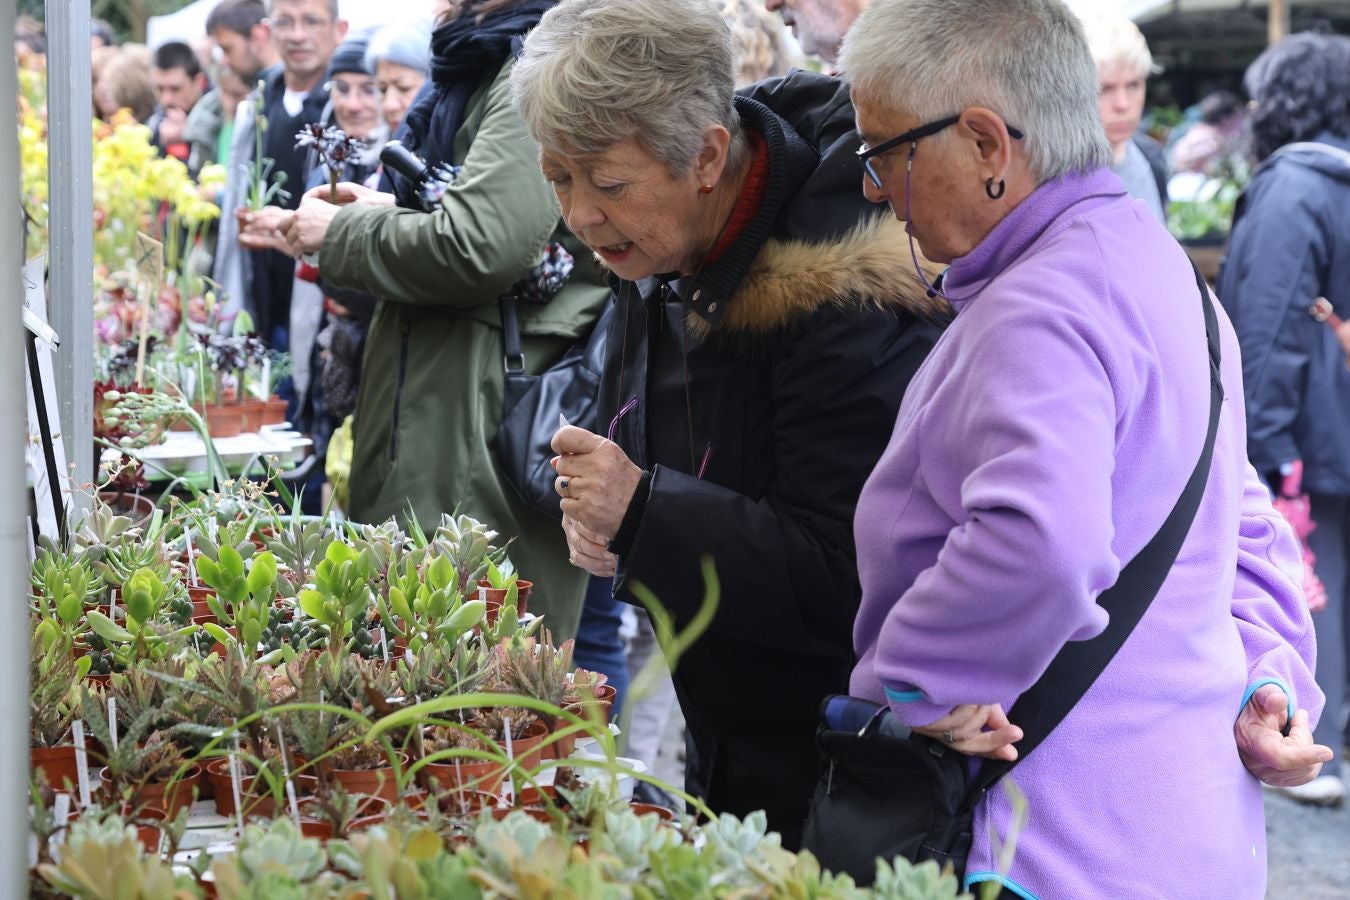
[{"x": 819, "y": 25}]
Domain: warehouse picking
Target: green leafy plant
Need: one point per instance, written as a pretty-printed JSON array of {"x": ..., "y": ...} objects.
[
  {"x": 428, "y": 608},
  {"x": 243, "y": 599},
  {"x": 467, "y": 544},
  {"x": 275, "y": 861},
  {"x": 341, "y": 593}
]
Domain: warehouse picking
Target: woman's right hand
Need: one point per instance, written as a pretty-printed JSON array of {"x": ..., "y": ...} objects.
[
  {"x": 351, "y": 192},
  {"x": 966, "y": 726},
  {"x": 263, "y": 229}
]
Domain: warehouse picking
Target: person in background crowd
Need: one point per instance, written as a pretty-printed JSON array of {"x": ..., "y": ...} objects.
[
  {"x": 124, "y": 82},
  {"x": 1290, "y": 244},
  {"x": 819, "y": 24},
  {"x": 102, "y": 100},
  {"x": 759, "y": 45},
  {"x": 325, "y": 385},
  {"x": 1123, "y": 66},
  {"x": 432, "y": 381},
  {"x": 208, "y": 133},
  {"x": 101, "y": 34},
  {"x": 240, "y": 31},
  {"x": 1042, "y": 446},
  {"x": 179, "y": 84},
  {"x": 766, "y": 329},
  {"x": 1217, "y": 135},
  {"x": 30, "y": 42},
  {"x": 210, "y": 126},
  {"x": 400, "y": 57},
  {"x": 305, "y": 34}
]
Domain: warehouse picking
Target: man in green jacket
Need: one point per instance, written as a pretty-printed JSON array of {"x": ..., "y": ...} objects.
[{"x": 430, "y": 400}]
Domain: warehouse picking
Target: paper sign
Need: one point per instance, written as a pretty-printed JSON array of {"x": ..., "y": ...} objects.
[{"x": 149, "y": 259}]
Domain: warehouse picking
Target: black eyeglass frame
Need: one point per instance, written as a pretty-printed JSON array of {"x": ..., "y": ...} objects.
[{"x": 866, "y": 154}]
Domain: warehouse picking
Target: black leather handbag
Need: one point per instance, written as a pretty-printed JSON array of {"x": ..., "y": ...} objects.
[
  {"x": 531, "y": 405},
  {"x": 884, "y": 793}
]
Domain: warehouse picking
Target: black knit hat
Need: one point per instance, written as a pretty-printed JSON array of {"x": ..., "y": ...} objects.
[{"x": 350, "y": 55}]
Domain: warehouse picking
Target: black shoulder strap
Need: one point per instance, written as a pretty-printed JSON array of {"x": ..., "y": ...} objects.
[
  {"x": 1073, "y": 670},
  {"x": 513, "y": 355}
]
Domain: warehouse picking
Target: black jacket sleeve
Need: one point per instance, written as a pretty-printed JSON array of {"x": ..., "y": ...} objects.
[
  {"x": 1276, "y": 265},
  {"x": 786, "y": 561}
]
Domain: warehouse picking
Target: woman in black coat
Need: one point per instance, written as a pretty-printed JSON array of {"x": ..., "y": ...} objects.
[
  {"x": 769, "y": 321},
  {"x": 1291, "y": 245}
]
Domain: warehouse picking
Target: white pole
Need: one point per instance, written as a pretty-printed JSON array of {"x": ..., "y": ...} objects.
[
  {"x": 13, "y": 503},
  {"x": 70, "y": 178}
]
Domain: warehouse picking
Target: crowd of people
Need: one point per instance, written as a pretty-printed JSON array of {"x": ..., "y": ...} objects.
[{"x": 900, "y": 341}]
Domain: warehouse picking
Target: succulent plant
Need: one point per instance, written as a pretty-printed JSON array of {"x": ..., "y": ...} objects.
[
  {"x": 53, "y": 701},
  {"x": 275, "y": 861},
  {"x": 102, "y": 859}
]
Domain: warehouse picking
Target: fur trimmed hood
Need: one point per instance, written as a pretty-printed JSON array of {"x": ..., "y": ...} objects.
[{"x": 789, "y": 279}]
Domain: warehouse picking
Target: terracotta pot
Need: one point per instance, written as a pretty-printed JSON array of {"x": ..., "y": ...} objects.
[
  {"x": 369, "y": 811},
  {"x": 369, "y": 782},
  {"x": 251, "y": 413},
  {"x": 539, "y": 797},
  {"x": 495, "y": 597},
  {"x": 274, "y": 411},
  {"x": 651, "y": 809},
  {"x": 483, "y": 775},
  {"x": 147, "y": 832},
  {"x": 168, "y": 796},
  {"x": 259, "y": 803},
  {"x": 57, "y": 763},
  {"x": 223, "y": 420},
  {"x": 465, "y": 802}
]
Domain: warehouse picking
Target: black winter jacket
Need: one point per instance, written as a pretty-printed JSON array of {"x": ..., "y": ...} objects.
[
  {"x": 797, "y": 345},
  {"x": 1291, "y": 244}
]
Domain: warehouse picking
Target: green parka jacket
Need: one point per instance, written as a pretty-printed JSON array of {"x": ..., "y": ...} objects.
[{"x": 431, "y": 389}]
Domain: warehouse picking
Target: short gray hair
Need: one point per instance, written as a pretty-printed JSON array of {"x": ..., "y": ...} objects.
[
  {"x": 1027, "y": 60},
  {"x": 406, "y": 44},
  {"x": 594, "y": 72}
]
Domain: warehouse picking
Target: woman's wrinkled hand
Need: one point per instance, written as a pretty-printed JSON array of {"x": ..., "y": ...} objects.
[
  {"x": 1270, "y": 755},
  {"x": 309, "y": 225},
  {"x": 588, "y": 550},
  {"x": 976, "y": 731},
  {"x": 596, "y": 480},
  {"x": 264, "y": 229}
]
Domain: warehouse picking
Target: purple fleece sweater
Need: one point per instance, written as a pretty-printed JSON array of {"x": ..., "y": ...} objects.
[{"x": 1039, "y": 448}]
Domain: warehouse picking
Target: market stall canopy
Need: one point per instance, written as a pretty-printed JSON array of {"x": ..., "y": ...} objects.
[
  {"x": 1147, "y": 10},
  {"x": 189, "y": 22}
]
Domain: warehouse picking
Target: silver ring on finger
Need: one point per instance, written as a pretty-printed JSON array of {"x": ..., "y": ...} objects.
[
  {"x": 563, "y": 484},
  {"x": 948, "y": 738}
]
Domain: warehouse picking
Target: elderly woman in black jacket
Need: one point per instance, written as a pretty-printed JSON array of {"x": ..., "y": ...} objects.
[
  {"x": 1291, "y": 245},
  {"x": 769, "y": 320}
]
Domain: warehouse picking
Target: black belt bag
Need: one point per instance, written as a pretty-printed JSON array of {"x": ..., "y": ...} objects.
[{"x": 886, "y": 794}]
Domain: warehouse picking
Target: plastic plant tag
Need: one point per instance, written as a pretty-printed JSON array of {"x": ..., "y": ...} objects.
[
  {"x": 286, "y": 771},
  {"x": 81, "y": 762},
  {"x": 562, "y": 421},
  {"x": 112, "y": 721},
  {"x": 61, "y": 808},
  {"x": 192, "y": 563},
  {"x": 509, "y": 795},
  {"x": 235, "y": 779}
]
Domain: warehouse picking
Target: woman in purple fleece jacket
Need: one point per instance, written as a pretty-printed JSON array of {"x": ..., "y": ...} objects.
[{"x": 1040, "y": 447}]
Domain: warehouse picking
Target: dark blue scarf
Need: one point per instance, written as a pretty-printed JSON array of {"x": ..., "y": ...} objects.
[{"x": 464, "y": 52}]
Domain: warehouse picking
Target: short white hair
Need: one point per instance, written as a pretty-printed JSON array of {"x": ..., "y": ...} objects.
[
  {"x": 1026, "y": 60},
  {"x": 594, "y": 72},
  {"x": 1115, "y": 40}
]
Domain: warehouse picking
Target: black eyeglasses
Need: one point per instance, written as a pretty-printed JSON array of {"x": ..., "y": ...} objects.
[{"x": 866, "y": 154}]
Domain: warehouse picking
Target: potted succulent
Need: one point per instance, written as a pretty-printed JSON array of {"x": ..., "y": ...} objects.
[
  {"x": 341, "y": 594},
  {"x": 426, "y": 607},
  {"x": 53, "y": 703},
  {"x": 243, "y": 599}
]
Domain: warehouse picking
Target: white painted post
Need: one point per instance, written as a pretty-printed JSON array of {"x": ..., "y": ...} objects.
[
  {"x": 13, "y": 506},
  {"x": 70, "y": 180}
]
